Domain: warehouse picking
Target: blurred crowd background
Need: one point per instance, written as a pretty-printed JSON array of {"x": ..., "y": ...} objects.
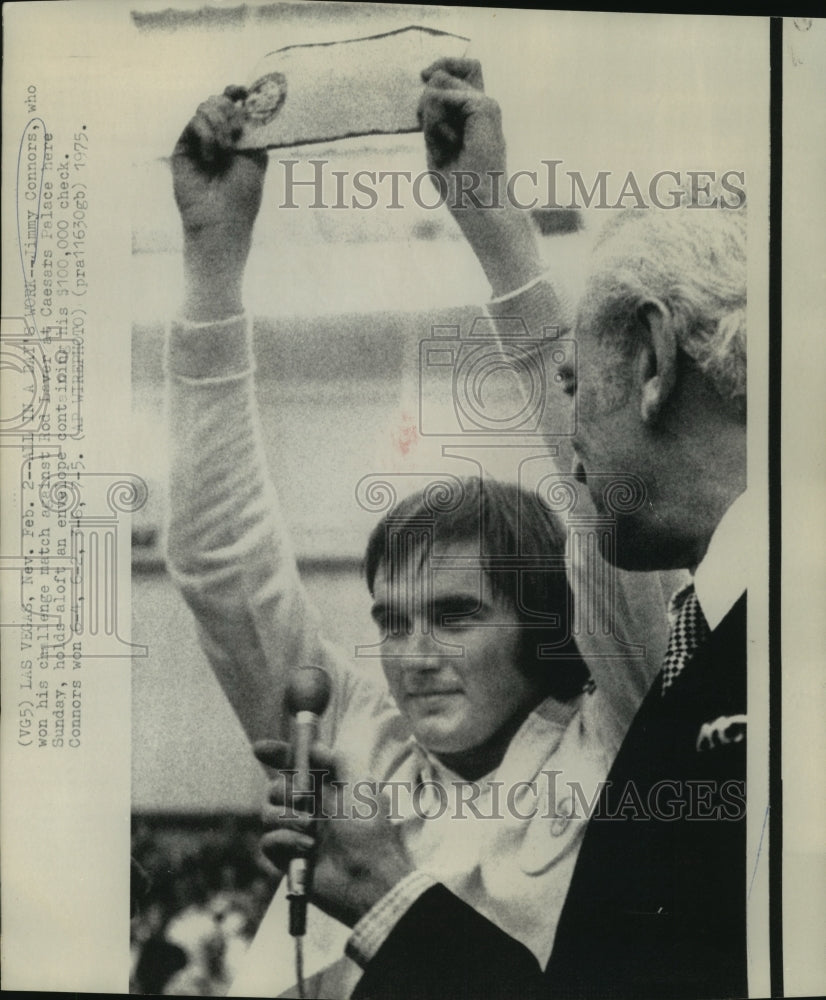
[{"x": 199, "y": 891}]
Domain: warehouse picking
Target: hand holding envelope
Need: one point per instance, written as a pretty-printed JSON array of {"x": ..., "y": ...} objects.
[
  {"x": 466, "y": 155},
  {"x": 333, "y": 90},
  {"x": 314, "y": 93},
  {"x": 218, "y": 190}
]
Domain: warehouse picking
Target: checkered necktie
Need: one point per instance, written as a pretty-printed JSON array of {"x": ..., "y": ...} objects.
[{"x": 689, "y": 629}]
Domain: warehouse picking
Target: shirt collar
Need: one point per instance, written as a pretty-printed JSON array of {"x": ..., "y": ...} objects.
[{"x": 724, "y": 571}]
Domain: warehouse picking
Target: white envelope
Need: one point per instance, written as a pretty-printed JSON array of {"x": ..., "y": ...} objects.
[{"x": 362, "y": 86}]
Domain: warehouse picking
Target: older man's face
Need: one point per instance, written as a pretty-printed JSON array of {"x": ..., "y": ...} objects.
[{"x": 613, "y": 445}]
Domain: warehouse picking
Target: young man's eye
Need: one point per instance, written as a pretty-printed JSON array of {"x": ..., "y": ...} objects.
[
  {"x": 454, "y": 620},
  {"x": 386, "y": 622}
]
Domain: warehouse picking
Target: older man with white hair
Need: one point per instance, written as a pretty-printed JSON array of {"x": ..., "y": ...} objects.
[{"x": 657, "y": 903}]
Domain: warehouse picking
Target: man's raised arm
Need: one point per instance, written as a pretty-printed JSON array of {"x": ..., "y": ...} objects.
[
  {"x": 466, "y": 152},
  {"x": 466, "y": 155},
  {"x": 227, "y": 549}
]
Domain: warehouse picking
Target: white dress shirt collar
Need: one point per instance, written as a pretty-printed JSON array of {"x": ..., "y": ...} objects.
[{"x": 723, "y": 574}]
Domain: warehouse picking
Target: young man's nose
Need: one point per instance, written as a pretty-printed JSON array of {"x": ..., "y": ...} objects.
[{"x": 424, "y": 648}]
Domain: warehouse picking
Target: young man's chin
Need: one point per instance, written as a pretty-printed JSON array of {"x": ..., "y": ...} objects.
[{"x": 441, "y": 738}]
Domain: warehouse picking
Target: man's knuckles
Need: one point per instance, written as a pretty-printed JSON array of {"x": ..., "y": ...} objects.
[
  {"x": 466, "y": 69},
  {"x": 273, "y": 753},
  {"x": 284, "y": 817},
  {"x": 280, "y": 846}
]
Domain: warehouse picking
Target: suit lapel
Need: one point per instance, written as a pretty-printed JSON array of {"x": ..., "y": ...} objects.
[{"x": 642, "y": 881}]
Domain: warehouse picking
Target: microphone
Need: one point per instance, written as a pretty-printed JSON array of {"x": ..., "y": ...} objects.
[{"x": 308, "y": 693}]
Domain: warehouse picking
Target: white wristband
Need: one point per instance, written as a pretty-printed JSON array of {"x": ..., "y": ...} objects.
[{"x": 518, "y": 291}]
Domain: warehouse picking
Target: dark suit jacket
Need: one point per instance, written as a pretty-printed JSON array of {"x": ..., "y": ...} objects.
[{"x": 657, "y": 902}]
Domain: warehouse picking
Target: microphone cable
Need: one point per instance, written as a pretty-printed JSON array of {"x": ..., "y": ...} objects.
[
  {"x": 298, "y": 928},
  {"x": 299, "y": 967}
]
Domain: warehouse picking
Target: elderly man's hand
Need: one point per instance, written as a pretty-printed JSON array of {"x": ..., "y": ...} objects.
[
  {"x": 218, "y": 192},
  {"x": 465, "y": 148},
  {"x": 356, "y": 852}
]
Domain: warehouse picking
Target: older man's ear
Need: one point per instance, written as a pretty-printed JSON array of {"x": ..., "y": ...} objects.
[{"x": 657, "y": 360}]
